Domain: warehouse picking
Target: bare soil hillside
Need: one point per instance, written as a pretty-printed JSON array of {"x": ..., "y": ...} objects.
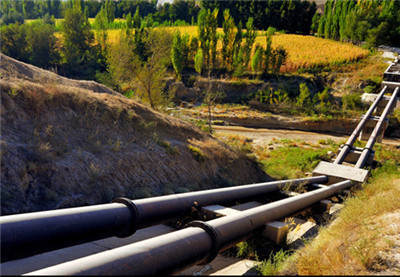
[{"x": 68, "y": 143}]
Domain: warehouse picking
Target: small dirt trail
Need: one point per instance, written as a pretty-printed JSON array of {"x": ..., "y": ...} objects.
[{"x": 263, "y": 136}]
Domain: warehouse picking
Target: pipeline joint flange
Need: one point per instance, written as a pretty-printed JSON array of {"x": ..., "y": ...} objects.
[
  {"x": 132, "y": 227},
  {"x": 214, "y": 238}
]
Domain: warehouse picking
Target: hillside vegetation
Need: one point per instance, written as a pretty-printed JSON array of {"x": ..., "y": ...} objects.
[{"x": 68, "y": 143}]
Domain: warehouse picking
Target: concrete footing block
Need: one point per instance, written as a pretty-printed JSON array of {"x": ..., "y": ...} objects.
[
  {"x": 355, "y": 153},
  {"x": 335, "y": 208},
  {"x": 370, "y": 126},
  {"x": 214, "y": 211},
  {"x": 301, "y": 230},
  {"x": 325, "y": 205},
  {"x": 276, "y": 231},
  {"x": 337, "y": 173}
]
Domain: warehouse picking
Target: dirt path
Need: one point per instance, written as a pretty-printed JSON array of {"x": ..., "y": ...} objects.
[{"x": 264, "y": 136}]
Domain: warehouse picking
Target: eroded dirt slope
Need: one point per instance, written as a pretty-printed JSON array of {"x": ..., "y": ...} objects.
[{"x": 68, "y": 143}]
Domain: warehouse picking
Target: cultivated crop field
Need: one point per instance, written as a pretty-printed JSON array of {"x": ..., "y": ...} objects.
[{"x": 304, "y": 51}]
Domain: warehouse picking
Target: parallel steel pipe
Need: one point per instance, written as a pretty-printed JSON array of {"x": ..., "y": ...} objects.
[
  {"x": 347, "y": 147},
  {"x": 199, "y": 243},
  {"x": 372, "y": 139},
  {"x": 27, "y": 234}
]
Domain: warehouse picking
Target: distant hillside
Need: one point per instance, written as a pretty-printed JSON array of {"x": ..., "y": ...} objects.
[{"x": 68, "y": 143}]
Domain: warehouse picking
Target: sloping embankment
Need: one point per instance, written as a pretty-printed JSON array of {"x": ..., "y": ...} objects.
[{"x": 68, "y": 143}]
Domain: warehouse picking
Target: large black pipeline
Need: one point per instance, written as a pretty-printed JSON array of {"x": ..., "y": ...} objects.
[
  {"x": 24, "y": 235},
  {"x": 199, "y": 243},
  {"x": 371, "y": 141},
  {"x": 347, "y": 147}
]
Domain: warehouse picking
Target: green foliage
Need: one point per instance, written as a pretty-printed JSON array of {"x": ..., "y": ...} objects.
[
  {"x": 13, "y": 41},
  {"x": 238, "y": 63},
  {"x": 278, "y": 58},
  {"x": 228, "y": 40},
  {"x": 273, "y": 265},
  {"x": 34, "y": 43},
  {"x": 171, "y": 150},
  {"x": 291, "y": 161},
  {"x": 196, "y": 153},
  {"x": 101, "y": 24},
  {"x": 145, "y": 73},
  {"x": 208, "y": 37},
  {"x": 41, "y": 43},
  {"x": 137, "y": 21},
  {"x": 12, "y": 17},
  {"x": 257, "y": 59},
  {"x": 375, "y": 22},
  {"x": 324, "y": 99},
  {"x": 352, "y": 101},
  {"x": 250, "y": 37},
  {"x": 177, "y": 54},
  {"x": 199, "y": 61},
  {"x": 272, "y": 96},
  {"x": 304, "y": 98},
  {"x": 268, "y": 51},
  {"x": 315, "y": 22},
  {"x": 79, "y": 55}
]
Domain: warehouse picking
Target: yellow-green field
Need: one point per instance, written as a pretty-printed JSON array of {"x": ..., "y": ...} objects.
[{"x": 303, "y": 51}]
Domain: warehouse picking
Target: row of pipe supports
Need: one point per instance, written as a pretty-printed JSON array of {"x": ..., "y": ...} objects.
[
  {"x": 372, "y": 139},
  {"x": 348, "y": 145},
  {"x": 199, "y": 243}
]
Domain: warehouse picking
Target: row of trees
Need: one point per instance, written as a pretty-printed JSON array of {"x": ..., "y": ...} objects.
[
  {"x": 88, "y": 55},
  {"x": 237, "y": 50},
  {"x": 376, "y": 22},
  {"x": 78, "y": 56},
  {"x": 293, "y": 16}
]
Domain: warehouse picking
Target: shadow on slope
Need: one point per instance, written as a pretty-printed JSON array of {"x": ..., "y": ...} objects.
[{"x": 68, "y": 143}]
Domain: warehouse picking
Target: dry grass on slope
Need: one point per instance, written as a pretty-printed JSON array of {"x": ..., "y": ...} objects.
[
  {"x": 65, "y": 145},
  {"x": 362, "y": 239}
]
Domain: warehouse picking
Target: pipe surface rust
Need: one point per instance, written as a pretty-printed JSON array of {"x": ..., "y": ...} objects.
[
  {"x": 196, "y": 244},
  {"x": 24, "y": 235},
  {"x": 372, "y": 139},
  {"x": 347, "y": 147}
]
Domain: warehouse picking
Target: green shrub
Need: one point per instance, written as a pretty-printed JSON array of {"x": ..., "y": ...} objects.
[
  {"x": 171, "y": 150},
  {"x": 274, "y": 264},
  {"x": 196, "y": 153},
  {"x": 352, "y": 101}
]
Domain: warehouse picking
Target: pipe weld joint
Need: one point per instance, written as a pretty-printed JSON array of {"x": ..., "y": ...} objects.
[
  {"x": 132, "y": 226},
  {"x": 214, "y": 238}
]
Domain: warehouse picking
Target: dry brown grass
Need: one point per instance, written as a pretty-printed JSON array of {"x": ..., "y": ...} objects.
[
  {"x": 354, "y": 244},
  {"x": 70, "y": 143}
]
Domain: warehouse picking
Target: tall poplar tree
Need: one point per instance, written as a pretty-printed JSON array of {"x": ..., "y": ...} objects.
[{"x": 79, "y": 55}]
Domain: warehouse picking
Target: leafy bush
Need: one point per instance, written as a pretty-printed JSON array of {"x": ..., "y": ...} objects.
[{"x": 352, "y": 101}]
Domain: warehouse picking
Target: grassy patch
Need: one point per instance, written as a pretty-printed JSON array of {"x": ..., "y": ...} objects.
[
  {"x": 196, "y": 153},
  {"x": 274, "y": 264},
  {"x": 239, "y": 142},
  {"x": 171, "y": 150},
  {"x": 291, "y": 160}
]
